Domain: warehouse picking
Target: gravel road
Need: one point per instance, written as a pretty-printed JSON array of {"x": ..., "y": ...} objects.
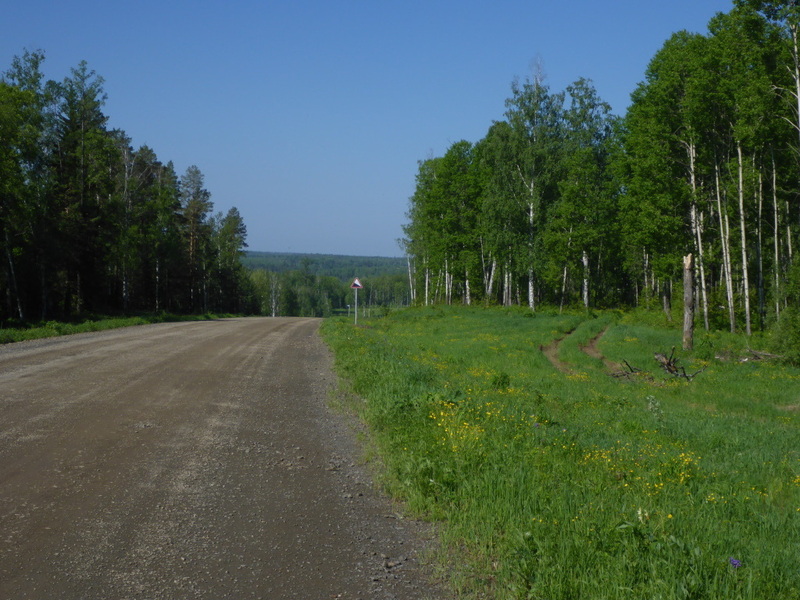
[{"x": 190, "y": 461}]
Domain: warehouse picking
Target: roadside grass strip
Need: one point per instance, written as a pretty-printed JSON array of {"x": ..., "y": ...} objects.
[
  {"x": 580, "y": 485},
  {"x": 50, "y": 329}
]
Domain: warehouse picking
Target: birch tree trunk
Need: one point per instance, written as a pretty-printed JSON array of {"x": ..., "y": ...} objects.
[
  {"x": 726, "y": 254},
  {"x": 688, "y": 302},
  {"x": 697, "y": 230},
  {"x": 776, "y": 240},
  {"x": 448, "y": 286},
  {"x": 490, "y": 286},
  {"x": 531, "y": 301},
  {"x": 745, "y": 281},
  {"x": 411, "y": 288},
  {"x": 585, "y": 260},
  {"x": 759, "y": 254},
  {"x": 507, "y": 285}
]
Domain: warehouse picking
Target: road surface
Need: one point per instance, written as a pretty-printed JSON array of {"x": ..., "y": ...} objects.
[{"x": 190, "y": 461}]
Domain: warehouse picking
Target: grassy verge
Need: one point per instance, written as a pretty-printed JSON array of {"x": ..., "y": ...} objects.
[
  {"x": 577, "y": 484},
  {"x": 57, "y": 328}
]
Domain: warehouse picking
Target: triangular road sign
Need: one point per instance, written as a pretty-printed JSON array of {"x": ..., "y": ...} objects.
[{"x": 356, "y": 284}]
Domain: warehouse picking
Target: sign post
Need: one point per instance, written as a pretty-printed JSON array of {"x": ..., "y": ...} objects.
[{"x": 356, "y": 285}]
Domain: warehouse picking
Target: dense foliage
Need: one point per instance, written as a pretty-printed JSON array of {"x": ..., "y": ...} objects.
[
  {"x": 564, "y": 203},
  {"x": 89, "y": 224}
]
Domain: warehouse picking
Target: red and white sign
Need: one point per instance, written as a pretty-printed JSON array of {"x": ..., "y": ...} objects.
[{"x": 356, "y": 285}]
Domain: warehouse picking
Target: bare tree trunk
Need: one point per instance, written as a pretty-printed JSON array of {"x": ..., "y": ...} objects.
[
  {"x": 531, "y": 299},
  {"x": 448, "y": 284},
  {"x": 745, "y": 281},
  {"x": 427, "y": 285},
  {"x": 563, "y": 288},
  {"x": 761, "y": 305},
  {"x": 507, "y": 286},
  {"x": 585, "y": 261},
  {"x": 411, "y": 289},
  {"x": 701, "y": 270},
  {"x": 724, "y": 229},
  {"x": 776, "y": 242},
  {"x": 649, "y": 287},
  {"x": 688, "y": 302},
  {"x": 490, "y": 286},
  {"x": 665, "y": 297},
  {"x": 697, "y": 228}
]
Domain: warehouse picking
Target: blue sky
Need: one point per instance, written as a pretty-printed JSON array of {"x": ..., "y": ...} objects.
[{"x": 310, "y": 116}]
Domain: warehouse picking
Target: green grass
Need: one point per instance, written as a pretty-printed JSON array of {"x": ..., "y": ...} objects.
[
  {"x": 48, "y": 329},
  {"x": 577, "y": 484}
]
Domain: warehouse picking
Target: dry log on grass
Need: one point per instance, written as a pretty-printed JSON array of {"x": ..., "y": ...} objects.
[{"x": 670, "y": 365}]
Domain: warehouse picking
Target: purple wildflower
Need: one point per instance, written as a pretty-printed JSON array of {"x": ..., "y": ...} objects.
[{"x": 735, "y": 563}]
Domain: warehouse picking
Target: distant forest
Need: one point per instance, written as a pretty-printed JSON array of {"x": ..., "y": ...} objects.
[
  {"x": 318, "y": 285},
  {"x": 341, "y": 267}
]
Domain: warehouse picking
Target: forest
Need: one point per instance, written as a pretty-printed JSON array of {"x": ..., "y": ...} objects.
[
  {"x": 563, "y": 203},
  {"x": 90, "y": 225}
]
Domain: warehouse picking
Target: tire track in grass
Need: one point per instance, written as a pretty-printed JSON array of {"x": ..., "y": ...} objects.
[
  {"x": 592, "y": 349},
  {"x": 551, "y": 352}
]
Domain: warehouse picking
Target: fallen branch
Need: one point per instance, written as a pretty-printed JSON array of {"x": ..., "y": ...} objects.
[
  {"x": 670, "y": 365},
  {"x": 759, "y": 355}
]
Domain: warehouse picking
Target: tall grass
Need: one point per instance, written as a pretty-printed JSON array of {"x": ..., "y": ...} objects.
[{"x": 561, "y": 484}]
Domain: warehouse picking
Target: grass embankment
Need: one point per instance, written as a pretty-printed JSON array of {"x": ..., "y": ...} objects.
[
  {"x": 57, "y": 328},
  {"x": 570, "y": 483}
]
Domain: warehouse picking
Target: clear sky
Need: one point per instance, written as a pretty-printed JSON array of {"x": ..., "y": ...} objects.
[{"x": 310, "y": 116}]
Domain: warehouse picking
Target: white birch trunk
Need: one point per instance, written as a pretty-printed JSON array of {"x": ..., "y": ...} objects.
[
  {"x": 490, "y": 286},
  {"x": 776, "y": 240},
  {"x": 411, "y": 289},
  {"x": 507, "y": 286},
  {"x": 726, "y": 255},
  {"x": 759, "y": 251},
  {"x": 447, "y": 285},
  {"x": 585, "y": 260},
  {"x": 745, "y": 281},
  {"x": 531, "y": 300},
  {"x": 697, "y": 231}
]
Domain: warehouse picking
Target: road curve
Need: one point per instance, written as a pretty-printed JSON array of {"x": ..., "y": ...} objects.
[{"x": 189, "y": 461}]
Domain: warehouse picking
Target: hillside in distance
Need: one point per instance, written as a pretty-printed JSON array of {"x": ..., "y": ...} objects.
[{"x": 341, "y": 267}]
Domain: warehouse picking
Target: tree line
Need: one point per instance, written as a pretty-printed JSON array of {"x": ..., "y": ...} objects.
[
  {"x": 300, "y": 285},
  {"x": 564, "y": 203},
  {"x": 88, "y": 224}
]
